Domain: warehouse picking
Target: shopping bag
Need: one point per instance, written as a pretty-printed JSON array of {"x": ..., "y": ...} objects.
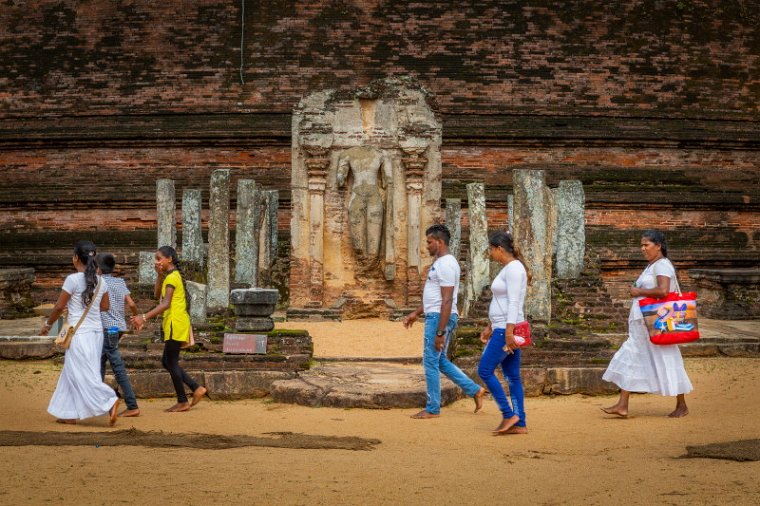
[{"x": 672, "y": 319}]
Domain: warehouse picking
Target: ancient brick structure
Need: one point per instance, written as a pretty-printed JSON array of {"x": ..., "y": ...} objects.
[{"x": 653, "y": 105}]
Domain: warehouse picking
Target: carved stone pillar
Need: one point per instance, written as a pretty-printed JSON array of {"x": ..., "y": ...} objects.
[
  {"x": 414, "y": 167},
  {"x": 316, "y": 163}
]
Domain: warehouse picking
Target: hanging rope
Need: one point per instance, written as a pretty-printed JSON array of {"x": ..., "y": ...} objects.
[{"x": 242, "y": 38}]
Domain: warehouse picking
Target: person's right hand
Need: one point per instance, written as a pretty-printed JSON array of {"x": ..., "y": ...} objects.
[
  {"x": 409, "y": 320},
  {"x": 485, "y": 335}
]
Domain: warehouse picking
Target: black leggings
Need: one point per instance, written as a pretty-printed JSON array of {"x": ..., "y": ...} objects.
[{"x": 170, "y": 361}]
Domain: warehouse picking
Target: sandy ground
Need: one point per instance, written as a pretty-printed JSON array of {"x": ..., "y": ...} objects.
[
  {"x": 371, "y": 338},
  {"x": 574, "y": 454}
]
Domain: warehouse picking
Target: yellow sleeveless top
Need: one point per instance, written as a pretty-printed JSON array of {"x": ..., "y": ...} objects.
[{"x": 176, "y": 324}]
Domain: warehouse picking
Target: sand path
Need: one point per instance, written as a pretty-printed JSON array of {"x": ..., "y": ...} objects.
[{"x": 574, "y": 454}]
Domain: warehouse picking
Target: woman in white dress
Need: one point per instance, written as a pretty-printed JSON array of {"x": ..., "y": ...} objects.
[
  {"x": 639, "y": 365},
  {"x": 80, "y": 392}
]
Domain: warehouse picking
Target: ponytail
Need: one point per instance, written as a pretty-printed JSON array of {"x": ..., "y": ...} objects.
[
  {"x": 85, "y": 251},
  {"x": 504, "y": 240}
]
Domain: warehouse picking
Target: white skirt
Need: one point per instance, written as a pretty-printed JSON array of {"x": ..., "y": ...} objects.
[
  {"x": 81, "y": 392},
  {"x": 640, "y": 366}
]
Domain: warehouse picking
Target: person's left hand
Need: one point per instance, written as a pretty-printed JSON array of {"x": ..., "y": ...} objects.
[
  {"x": 439, "y": 342},
  {"x": 511, "y": 345},
  {"x": 635, "y": 292}
]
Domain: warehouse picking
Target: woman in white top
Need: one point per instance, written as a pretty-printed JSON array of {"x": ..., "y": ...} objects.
[
  {"x": 80, "y": 392},
  {"x": 639, "y": 365},
  {"x": 502, "y": 349}
]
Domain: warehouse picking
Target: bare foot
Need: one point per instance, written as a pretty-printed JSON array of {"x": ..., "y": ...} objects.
[
  {"x": 179, "y": 407},
  {"x": 679, "y": 412},
  {"x": 424, "y": 415},
  {"x": 517, "y": 430},
  {"x": 505, "y": 425},
  {"x": 128, "y": 413},
  {"x": 615, "y": 410},
  {"x": 112, "y": 413},
  {"x": 68, "y": 421},
  {"x": 478, "y": 398},
  {"x": 198, "y": 395}
]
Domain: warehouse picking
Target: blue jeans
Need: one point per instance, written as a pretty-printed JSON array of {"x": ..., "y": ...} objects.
[
  {"x": 436, "y": 362},
  {"x": 111, "y": 354},
  {"x": 493, "y": 357}
]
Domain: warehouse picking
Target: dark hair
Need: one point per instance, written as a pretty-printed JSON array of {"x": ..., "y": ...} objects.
[
  {"x": 106, "y": 262},
  {"x": 169, "y": 252},
  {"x": 440, "y": 232},
  {"x": 85, "y": 251},
  {"x": 658, "y": 238},
  {"x": 505, "y": 241}
]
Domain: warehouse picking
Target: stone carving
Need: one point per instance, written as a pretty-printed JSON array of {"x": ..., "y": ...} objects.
[
  {"x": 570, "y": 231},
  {"x": 366, "y": 182},
  {"x": 371, "y": 169}
]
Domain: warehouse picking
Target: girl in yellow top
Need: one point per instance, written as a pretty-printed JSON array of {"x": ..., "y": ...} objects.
[{"x": 176, "y": 325}]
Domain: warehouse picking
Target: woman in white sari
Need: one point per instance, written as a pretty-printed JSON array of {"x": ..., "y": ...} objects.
[
  {"x": 639, "y": 365},
  {"x": 80, "y": 392}
]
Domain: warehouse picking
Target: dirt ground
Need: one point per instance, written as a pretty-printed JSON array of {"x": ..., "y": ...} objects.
[{"x": 574, "y": 453}]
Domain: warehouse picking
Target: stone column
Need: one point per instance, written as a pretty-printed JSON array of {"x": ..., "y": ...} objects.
[
  {"x": 571, "y": 229},
  {"x": 166, "y": 213},
  {"x": 533, "y": 236},
  {"x": 454, "y": 222},
  {"x": 511, "y": 213},
  {"x": 192, "y": 237},
  {"x": 316, "y": 166},
  {"x": 268, "y": 235},
  {"x": 414, "y": 166},
  {"x": 246, "y": 237},
  {"x": 146, "y": 272},
  {"x": 219, "y": 241},
  {"x": 478, "y": 271},
  {"x": 198, "y": 294}
]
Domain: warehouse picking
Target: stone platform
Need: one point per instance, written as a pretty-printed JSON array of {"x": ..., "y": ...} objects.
[{"x": 289, "y": 373}]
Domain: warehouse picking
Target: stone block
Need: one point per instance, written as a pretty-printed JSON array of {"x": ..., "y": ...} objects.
[
  {"x": 247, "y": 231},
  {"x": 197, "y": 293},
  {"x": 166, "y": 213},
  {"x": 570, "y": 229},
  {"x": 192, "y": 236},
  {"x": 219, "y": 241},
  {"x": 254, "y": 296},
  {"x": 16, "y": 293},
  {"x": 229, "y": 385},
  {"x": 254, "y": 309},
  {"x": 254, "y": 324},
  {"x": 577, "y": 380},
  {"x": 534, "y": 380},
  {"x": 146, "y": 273},
  {"x": 28, "y": 349}
]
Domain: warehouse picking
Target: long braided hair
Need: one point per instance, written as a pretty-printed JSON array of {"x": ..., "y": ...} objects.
[
  {"x": 169, "y": 252},
  {"x": 85, "y": 251}
]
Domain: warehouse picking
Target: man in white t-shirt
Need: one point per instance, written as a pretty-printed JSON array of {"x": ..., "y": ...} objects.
[{"x": 440, "y": 310}]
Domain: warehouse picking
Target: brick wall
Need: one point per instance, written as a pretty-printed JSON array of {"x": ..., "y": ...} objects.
[
  {"x": 622, "y": 57},
  {"x": 654, "y": 105}
]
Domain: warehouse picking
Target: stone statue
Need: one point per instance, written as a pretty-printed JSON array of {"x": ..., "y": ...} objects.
[{"x": 372, "y": 171}]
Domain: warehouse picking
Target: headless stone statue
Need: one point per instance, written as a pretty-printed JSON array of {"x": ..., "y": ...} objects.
[{"x": 365, "y": 206}]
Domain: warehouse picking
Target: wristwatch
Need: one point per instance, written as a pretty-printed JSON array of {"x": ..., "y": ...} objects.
[{"x": 440, "y": 333}]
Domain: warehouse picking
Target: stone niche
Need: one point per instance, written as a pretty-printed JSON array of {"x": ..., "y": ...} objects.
[{"x": 366, "y": 183}]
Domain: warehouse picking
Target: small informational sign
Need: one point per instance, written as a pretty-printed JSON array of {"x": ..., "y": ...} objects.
[{"x": 244, "y": 343}]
